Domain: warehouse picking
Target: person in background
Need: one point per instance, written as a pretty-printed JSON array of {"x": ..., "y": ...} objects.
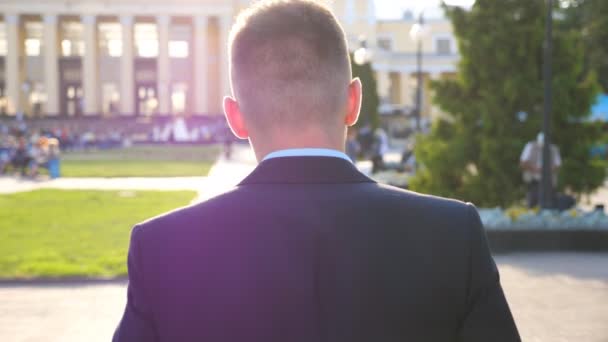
[
  {"x": 53, "y": 158},
  {"x": 228, "y": 141},
  {"x": 5, "y": 150},
  {"x": 408, "y": 159},
  {"x": 531, "y": 161},
  {"x": 39, "y": 156},
  {"x": 353, "y": 148},
  {"x": 21, "y": 159},
  {"x": 379, "y": 149}
]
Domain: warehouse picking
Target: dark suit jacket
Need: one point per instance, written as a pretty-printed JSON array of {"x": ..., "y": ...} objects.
[{"x": 308, "y": 249}]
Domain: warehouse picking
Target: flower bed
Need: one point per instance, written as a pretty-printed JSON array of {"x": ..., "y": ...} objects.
[
  {"x": 524, "y": 230},
  {"x": 520, "y": 218},
  {"x": 575, "y": 219}
]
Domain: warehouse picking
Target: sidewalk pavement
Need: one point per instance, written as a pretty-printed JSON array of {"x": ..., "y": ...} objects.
[
  {"x": 557, "y": 297},
  {"x": 10, "y": 185},
  {"x": 224, "y": 174},
  {"x": 227, "y": 173}
]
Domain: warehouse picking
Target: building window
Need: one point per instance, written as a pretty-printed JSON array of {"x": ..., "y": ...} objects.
[
  {"x": 110, "y": 98},
  {"x": 146, "y": 40},
  {"x": 2, "y": 39},
  {"x": 114, "y": 48},
  {"x": 32, "y": 47},
  {"x": 72, "y": 43},
  {"x": 3, "y": 101},
  {"x": 110, "y": 39},
  {"x": 178, "y": 98},
  {"x": 33, "y": 38},
  {"x": 66, "y": 48},
  {"x": 385, "y": 44},
  {"x": 178, "y": 49},
  {"x": 443, "y": 46},
  {"x": 71, "y": 48},
  {"x": 37, "y": 98}
]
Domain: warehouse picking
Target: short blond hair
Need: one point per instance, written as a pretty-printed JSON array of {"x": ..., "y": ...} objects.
[{"x": 289, "y": 63}]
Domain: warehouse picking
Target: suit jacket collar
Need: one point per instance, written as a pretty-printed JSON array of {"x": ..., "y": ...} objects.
[{"x": 303, "y": 170}]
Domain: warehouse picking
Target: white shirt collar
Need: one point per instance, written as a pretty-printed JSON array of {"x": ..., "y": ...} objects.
[{"x": 307, "y": 152}]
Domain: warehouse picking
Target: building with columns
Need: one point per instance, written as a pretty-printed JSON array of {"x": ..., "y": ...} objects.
[{"x": 160, "y": 57}]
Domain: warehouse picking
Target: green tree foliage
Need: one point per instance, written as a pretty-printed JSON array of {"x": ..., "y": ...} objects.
[
  {"x": 475, "y": 154},
  {"x": 590, "y": 17},
  {"x": 371, "y": 101}
]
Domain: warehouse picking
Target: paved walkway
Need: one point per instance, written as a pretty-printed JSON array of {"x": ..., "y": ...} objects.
[
  {"x": 223, "y": 175},
  {"x": 554, "y": 298},
  {"x": 557, "y": 297},
  {"x": 12, "y": 185}
]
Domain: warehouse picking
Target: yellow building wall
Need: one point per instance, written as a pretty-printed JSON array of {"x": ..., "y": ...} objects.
[{"x": 399, "y": 32}]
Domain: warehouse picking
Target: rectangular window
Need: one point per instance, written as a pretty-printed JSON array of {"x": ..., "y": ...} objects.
[
  {"x": 178, "y": 98},
  {"x": 110, "y": 98},
  {"x": 110, "y": 39},
  {"x": 146, "y": 39},
  {"x": 72, "y": 43},
  {"x": 33, "y": 38},
  {"x": 2, "y": 47},
  {"x": 32, "y": 47},
  {"x": 2, "y": 39},
  {"x": 178, "y": 49},
  {"x": 443, "y": 46},
  {"x": 385, "y": 44}
]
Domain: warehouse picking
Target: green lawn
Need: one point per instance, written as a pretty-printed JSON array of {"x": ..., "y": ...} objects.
[
  {"x": 141, "y": 161},
  {"x": 66, "y": 233}
]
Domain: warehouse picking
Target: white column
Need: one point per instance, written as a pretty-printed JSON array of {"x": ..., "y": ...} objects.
[
  {"x": 408, "y": 89},
  {"x": 163, "y": 77},
  {"x": 12, "y": 66},
  {"x": 90, "y": 68},
  {"x": 51, "y": 64},
  {"x": 224, "y": 29},
  {"x": 383, "y": 84},
  {"x": 201, "y": 79},
  {"x": 127, "y": 71}
]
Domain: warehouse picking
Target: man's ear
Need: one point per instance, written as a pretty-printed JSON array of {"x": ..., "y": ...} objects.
[
  {"x": 353, "y": 106},
  {"x": 235, "y": 118}
]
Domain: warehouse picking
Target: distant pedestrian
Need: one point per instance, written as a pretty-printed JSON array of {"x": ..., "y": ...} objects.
[
  {"x": 353, "y": 148},
  {"x": 21, "y": 158},
  {"x": 379, "y": 149},
  {"x": 531, "y": 161},
  {"x": 227, "y": 138}
]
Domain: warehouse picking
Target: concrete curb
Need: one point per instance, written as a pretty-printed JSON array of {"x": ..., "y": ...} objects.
[{"x": 536, "y": 240}]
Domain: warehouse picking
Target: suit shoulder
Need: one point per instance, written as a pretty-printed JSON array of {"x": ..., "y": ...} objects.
[
  {"x": 186, "y": 216},
  {"x": 424, "y": 200}
]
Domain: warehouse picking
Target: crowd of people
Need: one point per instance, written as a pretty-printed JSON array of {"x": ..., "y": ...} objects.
[{"x": 27, "y": 153}]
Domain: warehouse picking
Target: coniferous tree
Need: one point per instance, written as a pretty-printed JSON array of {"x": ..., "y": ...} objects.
[
  {"x": 590, "y": 18},
  {"x": 369, "y": 104},
  {"x": 495, "y": 105}
]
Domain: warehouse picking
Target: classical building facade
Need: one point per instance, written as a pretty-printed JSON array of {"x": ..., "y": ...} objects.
[{"x": 160, "y": 57}]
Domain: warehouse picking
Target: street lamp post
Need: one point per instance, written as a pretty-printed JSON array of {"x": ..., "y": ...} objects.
[
  {"x": 362, "y": 55},
  {"x": 546, "y": 191},
  {"x": 416, "y": 34}
]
